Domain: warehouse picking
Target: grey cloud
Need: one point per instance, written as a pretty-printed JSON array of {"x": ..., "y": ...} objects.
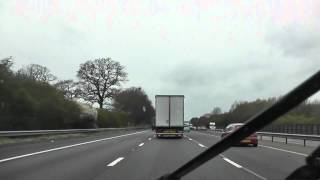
[
  {"x": 257, "y": 75},
  {"x": 192, "y": 73},
  {"x": 300, "y": 44},
  {"x": 296, "y": 41},
  {"x": 207, "y": 68}
]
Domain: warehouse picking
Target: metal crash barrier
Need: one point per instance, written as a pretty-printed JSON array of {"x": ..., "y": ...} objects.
[
  {"x": 64, "y": 131},
  {"x": 286, "y": 136}
]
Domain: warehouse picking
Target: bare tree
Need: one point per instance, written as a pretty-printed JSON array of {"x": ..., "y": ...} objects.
[
  {"x": 100, "y": 79},
  {"x": 68, "y": 88},
  {"x": 5, "y": 64},
  {"x": 37, "y": 73}
]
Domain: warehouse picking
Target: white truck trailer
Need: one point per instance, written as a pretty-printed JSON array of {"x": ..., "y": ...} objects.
[{"x": 169, "y": 115}]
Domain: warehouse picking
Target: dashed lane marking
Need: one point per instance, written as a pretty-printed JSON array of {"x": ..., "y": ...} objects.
[
  {"x": 113, "y": 163},
  {"x": 201, "y": 145},
  {"x": 231, "y": 162}
]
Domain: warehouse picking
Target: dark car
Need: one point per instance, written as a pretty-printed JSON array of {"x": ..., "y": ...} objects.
[{"x": 251, "y": 140}]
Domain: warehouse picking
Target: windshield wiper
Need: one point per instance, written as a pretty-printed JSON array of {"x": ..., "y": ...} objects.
[
  {"x": 310, "y": 171},
  {"x": 257, "y": 122}
]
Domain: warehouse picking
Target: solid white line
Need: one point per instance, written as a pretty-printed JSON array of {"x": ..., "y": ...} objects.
[
  {"x": 278, "y": 149},
  {"x": 231, "y": 162},
  {"x": 65, "y": 147},
  {"x": 115, "y": 161},
  {"x": 141, "y": 144}
]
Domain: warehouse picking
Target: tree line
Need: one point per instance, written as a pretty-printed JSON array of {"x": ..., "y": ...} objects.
[
  {"x": 306, "y": 113},
  {"x": 33, "y": 98}
]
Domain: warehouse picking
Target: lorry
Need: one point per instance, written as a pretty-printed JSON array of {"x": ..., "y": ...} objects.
[{"x": 169, "y": 120}]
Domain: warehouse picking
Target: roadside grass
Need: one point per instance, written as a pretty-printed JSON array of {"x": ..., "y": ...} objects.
[{"x": 51, "y": 138}]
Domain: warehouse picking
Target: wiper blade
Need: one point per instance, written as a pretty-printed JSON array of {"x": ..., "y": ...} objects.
[
  {"x": 257, "y": 122},
  {"x": 310, "y": 171}
]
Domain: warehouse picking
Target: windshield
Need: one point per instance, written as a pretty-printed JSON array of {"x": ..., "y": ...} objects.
[{"x": 119, "y": 89}]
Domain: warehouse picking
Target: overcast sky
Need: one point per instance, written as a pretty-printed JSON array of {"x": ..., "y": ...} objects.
[{"x": 213, "y": 52}]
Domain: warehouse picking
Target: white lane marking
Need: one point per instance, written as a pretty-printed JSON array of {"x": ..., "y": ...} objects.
[
  {"x": 297, "y": 153},
  {"x": 141, "y": 144},
  {"x": 278, "y": 149},
  {"x": 239, "y": 166},
  {"x": 231, "y": 162},
  {"x": 115, "y": 161},
  {"x": 243, "y": 168},
  {"x": 149, "y": 139},
  {"x": 65, "y": 147},
  {"x": 255, "y": 174},
  {"x": 201, "y": 145}
]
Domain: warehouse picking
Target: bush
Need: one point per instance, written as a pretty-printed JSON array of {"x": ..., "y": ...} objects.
[
  {"x": 28, "y": 105},
  {"x": 135, "y": 102},
  {"x": 297, "y": 119},
  {"x": 111, "y": 119},
  {"x": 307, "y": 112}
]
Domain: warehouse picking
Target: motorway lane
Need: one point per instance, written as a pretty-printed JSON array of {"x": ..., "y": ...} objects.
[
  {"x": 267, "y": 162},
  {"x": 161, "y": 156},
  {"x": 9, "y": 150},
  {"x": 80, "y": 162},
  {"x": 310, "y": 145},
  {"x": 142, "y": 156}
]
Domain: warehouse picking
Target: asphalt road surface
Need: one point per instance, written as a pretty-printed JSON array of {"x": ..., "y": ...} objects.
[{"x": 138, "y": 155}]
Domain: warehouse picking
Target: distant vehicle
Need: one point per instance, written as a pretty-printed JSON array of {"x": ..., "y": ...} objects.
[
  {"x": 186, "y": 127},
  {"x": 212, "y": 125},
  {"x": 169, "y": 115},
  {"x": 202, "y": 128},
  {"x": 251, "y": 140}
]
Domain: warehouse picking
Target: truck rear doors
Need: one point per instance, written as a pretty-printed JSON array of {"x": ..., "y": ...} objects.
[{"x": 169, "y": 115}]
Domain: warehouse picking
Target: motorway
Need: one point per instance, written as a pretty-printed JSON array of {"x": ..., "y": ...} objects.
[{"x": 138, "y": 155}]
